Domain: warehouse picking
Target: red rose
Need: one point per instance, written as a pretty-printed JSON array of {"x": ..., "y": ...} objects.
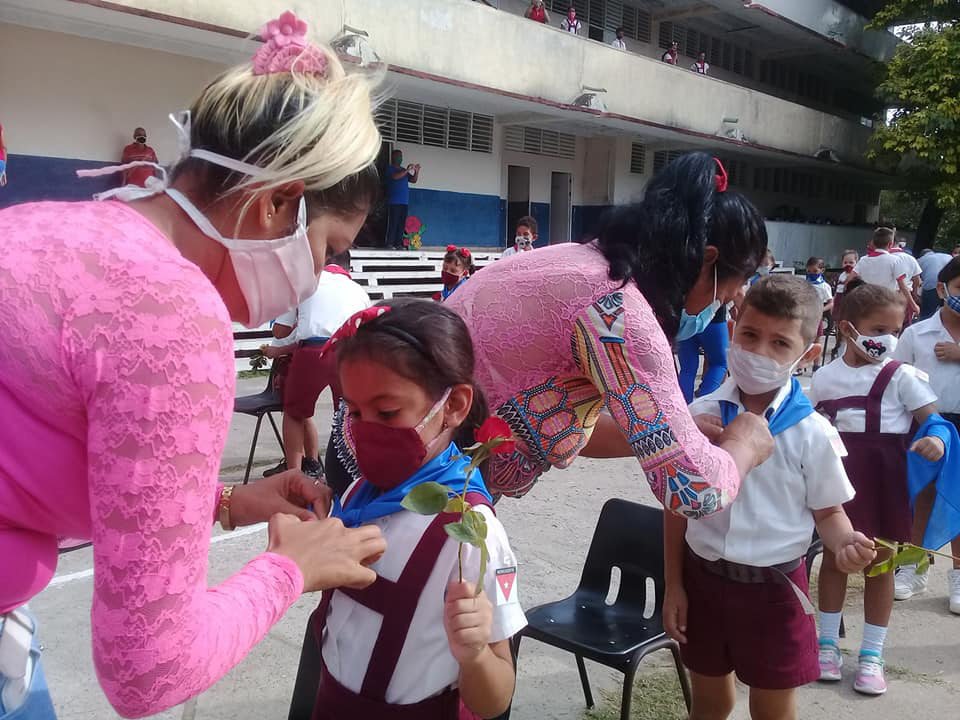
[
  {"x": 412, "y": 225},
  {"x": 493, "y": 428}
]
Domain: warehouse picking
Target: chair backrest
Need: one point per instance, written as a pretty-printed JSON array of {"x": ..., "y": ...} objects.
[{"x": 628, "y": 536}]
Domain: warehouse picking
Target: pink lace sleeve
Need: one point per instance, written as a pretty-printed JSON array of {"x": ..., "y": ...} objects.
[
  {"x": 153, "y": 363},
  {"x": 618, "y": 342}
]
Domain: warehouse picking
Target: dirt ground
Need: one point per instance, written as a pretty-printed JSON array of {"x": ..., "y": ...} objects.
[{"x": 550, "y": 530}]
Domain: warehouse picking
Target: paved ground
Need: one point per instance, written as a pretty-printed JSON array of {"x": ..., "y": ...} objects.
[{"x": 550, "y": 530}]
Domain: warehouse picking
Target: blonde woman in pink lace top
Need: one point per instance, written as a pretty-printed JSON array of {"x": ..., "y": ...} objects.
[
  {"x": 117, "y": 377},
  {"x": 573, "y": 341}
]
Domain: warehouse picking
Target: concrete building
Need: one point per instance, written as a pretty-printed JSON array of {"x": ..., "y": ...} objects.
[{"x": 507, "y": 116}]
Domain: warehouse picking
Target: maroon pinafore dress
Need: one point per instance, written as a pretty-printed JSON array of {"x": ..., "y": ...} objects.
[
  {"x": 876, "y": 464},
  {"x": 397, "y": 602}
]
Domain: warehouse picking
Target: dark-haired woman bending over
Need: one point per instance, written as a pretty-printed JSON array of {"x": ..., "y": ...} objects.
[{"x": 571, "y": 330}]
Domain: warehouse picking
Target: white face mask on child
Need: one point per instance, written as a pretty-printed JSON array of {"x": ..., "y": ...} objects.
[
  {"x": 758, "y": 374},
  {"x": 876, "y": 348}
]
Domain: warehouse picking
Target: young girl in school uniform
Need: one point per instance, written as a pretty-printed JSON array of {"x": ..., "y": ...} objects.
[
  {"x": 873, "y": 401},
  {"x": 417, "y": 642},
  {"x": 457, "y": 268}
]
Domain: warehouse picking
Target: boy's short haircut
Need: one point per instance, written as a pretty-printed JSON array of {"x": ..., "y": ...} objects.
[
  {"x": 813, "y": 260},
  {"x": 790, "y": 297},
  {"x": 950, "y": 271},
  {"x": 528, "y": 221},
  {"x": 882, "y": 237},
  {"x": 861, "y": 298},
  {"x": 851, "y": 251}
]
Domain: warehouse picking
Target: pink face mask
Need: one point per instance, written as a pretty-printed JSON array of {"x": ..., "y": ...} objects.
[{"x": 389, "y": 456}]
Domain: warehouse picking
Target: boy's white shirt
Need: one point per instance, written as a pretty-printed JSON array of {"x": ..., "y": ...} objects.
[
  {"x": 425, "y": 667},
  {"x": 824, "y": 291},
  {"x": 771, "y": 520},
  {"x": 916, "y": 347},
  {"x": 883, "y": 269},
  {"x": 908, "y": 391}
]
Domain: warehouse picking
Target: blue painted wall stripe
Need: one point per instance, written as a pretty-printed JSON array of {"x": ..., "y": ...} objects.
[
  {"x": 457, "y": 218},
  {"x": 541, "y": 213},
  {"x": 33, "y": 177}
]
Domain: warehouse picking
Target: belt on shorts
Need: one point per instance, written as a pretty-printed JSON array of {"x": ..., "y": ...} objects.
[
  {"x": 747, "y": 573},
  {"x": 313, "y": 342}
]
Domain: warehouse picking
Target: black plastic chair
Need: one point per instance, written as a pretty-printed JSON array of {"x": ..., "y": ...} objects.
[
  {"x": 263, "y": 403},
  {"x": 619, "y": 635}
]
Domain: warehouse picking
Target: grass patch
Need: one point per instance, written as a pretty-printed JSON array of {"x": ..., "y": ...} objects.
[
  {"x": 247, "y": 374},
  {"x": 908, "y": 675},
  {"x": 656, "y": 696}
]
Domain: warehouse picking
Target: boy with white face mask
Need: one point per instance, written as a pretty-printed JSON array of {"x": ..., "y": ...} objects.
[{"x": 741, "y": 576}]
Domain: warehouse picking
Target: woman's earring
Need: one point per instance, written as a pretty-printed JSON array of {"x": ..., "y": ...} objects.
[{"x": 269, "y": 215}]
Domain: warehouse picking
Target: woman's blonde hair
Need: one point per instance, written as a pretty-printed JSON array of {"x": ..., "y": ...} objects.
[{"x": 318, "y": 129}]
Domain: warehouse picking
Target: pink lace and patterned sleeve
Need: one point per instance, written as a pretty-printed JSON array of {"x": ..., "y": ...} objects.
[
  {"x": 153, "y": 363},
  {"x": 619, "y": 344}
]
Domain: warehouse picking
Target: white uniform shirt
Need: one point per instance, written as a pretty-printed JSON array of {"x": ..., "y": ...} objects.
[
  {"x": 425, "y": 667},
  {"x": 907, "y": 391},
  {"x": 842, "y": 282},
  {"x": 701, "y": 68},
  {"x": 570, "y": 27},
  {"x": 882, "y": 269},
  {"x": 771, "y": 521},
  {"x": 823, "y": 291},
  {"x": 619, "y": 44},
  {"x": 909, "y": 266},
  {"x": 289, "y": 319},
  {"x": 512, "y": 250},
  {"x": 336, "y": 299},
  {"x": 916, "y": 347}
]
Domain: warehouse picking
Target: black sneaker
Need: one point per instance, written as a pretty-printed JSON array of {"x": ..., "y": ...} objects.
[
  {"x": 278, "y": 468},
  {"x": 311, "y": 468}
]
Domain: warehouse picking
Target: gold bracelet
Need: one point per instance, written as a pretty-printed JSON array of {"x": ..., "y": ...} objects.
[{"x": 224, "y": 507}]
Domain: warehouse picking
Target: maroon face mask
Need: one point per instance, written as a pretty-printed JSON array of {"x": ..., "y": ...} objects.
[
  {"x": 389, "y": 456},
  {"x": 449, "y": 279}
]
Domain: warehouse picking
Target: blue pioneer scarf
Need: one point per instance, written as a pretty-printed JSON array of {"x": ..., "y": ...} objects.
[
  {"x": 794, "y": 408},
  {"x": 944, "y": 522}
]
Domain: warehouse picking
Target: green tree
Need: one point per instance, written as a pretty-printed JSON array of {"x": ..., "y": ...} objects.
[{"x": 921, "y": 139}]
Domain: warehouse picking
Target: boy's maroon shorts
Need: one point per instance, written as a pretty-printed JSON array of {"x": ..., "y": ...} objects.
[
  {"x": 309, "y": 375},
  {"x": 757, "y": 630}
]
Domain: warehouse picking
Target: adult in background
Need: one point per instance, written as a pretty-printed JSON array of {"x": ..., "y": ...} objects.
[
  {"x": 398, "y": 197},
  {"x": 337, "y": 297},
  {"x": 138, "y": 151},
  {"x": 619, "y": 43},
  {"x": 570, "y": 23},
  {"x": 931, "y": 263},
  {"x": 714, "y": 342},
  {"x": 701, "y": 66},
  {"x": 117, "y": 373},
  {"x": 571, "y": 330},
  {"x": 672, "y": 55},
  {"x": 537, "y": 12}
]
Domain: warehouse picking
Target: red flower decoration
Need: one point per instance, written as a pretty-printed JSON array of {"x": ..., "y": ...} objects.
[
  {"x": 721, "y": 177},
  {"x": 492, "y": 429},
  {"x": 464, "y": 252},
  {"x": 412, "y": 225},
  {"x": 451, "y": 248}
]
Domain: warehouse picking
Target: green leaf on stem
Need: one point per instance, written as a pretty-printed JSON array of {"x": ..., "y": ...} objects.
[
  {"x": 477, "y": 524},
  {"x": 428, "y": 498},
  {"x": 456, "y": 504},
  {"x": 909, "y": 555},
  {"x": 461, "y": 532},
  {"x": 923, "y": 565},
  {"x": 484, "y": 557},
  {"x": 880, "y": 568}
]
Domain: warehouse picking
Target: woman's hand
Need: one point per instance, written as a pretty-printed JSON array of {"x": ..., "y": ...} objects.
[
  {"x": 328, "y": 554},
  {"x": 468, "y": 621},
  {"x": 710, "y": 425},
  {"x": 747, "y": 438},
  {"x": 289, "y": 492}
]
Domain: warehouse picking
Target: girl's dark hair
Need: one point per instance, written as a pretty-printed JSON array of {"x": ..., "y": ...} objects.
[
  {"x": 426, "y": 343},
  {"x": 458, "y": 255},
  {"x": 659, "y": 242},
  {"x": 861, "y": 298}
]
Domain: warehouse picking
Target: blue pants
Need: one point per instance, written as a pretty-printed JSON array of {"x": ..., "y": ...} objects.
[
  {"x": 714, "y": 341},
  {"x": 37, "y": 705},
  {"x": 396, "y": 224}
]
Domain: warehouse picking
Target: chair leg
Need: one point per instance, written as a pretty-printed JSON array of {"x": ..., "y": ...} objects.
[
  {"x": 628, "y": 677},
  {"x": 681, "y": 675},
  {"x": 253, "y": 449},
  {"x": 585, "y": 681},
  {"x": 843, "y": 629},
  {"x": 276, "y": 432}
]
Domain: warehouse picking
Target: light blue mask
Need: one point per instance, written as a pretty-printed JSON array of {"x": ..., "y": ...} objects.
[{"x": 691, "y": 325}]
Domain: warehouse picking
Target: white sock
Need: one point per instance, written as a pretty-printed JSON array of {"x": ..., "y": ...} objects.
[
  {"x": 830, "y": 626},
  {"x": 873, "y": 637}
]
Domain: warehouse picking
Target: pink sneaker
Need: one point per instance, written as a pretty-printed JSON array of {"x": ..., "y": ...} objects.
[
  {"x": 870, "y": 680},
  {"x": 830, "y": 661}
]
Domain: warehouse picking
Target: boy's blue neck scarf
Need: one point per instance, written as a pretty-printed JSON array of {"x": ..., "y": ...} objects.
[
  {"x": 794, "y": 408},
  {"x": 369, "y": 502},
  {"x": 447, "y": 293},
  {"x": 815, "y": 278}
]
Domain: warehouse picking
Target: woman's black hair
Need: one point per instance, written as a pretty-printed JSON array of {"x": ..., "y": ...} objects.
[
  {"x": 659, "y": 242},
  {"x": 426, "y": 343}
]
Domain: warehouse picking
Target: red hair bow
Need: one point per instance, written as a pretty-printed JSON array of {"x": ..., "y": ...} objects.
[
  {"x": 464, "y": 252},
  {"x": 353, "y": 323},
  {"x": 451, "y": 248},
  {"x": 721, "y": 176}
]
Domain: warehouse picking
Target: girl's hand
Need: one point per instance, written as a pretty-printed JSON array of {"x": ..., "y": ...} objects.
[
  {"x": 929, "y": 448},
  {"x": 947, "y": 351},
  {"x": 675, "y": 612},
  {"x": 328, "y": 554},
  {"x": 468, "y": 621},
  {"x": 268, "y": 351},
  {"x": 710, "y": 425},
  {"x": 855, "y": 554},
  {"x": 289, "y": 492}
]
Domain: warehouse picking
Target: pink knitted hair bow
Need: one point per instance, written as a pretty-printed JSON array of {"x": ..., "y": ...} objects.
[{"x": 286, "y": 48}]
